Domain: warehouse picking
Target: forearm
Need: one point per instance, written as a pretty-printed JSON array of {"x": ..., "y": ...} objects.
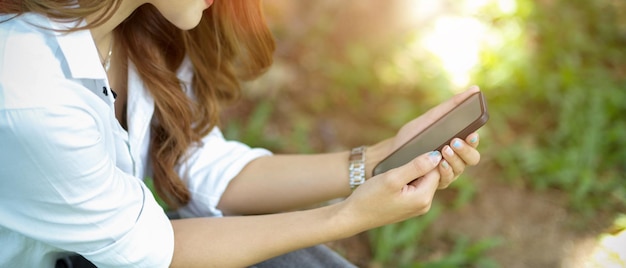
[
  {"x": 245, "y": 240},
  {"x": 284, "y": 182}
]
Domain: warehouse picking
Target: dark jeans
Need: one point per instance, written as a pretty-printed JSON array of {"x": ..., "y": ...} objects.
[
  {"x": 313, "y": 257},
  {"x": 73, "y": 261}
]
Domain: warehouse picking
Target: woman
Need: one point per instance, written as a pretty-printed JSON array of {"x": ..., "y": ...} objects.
[{"x": 95, "y": 95}]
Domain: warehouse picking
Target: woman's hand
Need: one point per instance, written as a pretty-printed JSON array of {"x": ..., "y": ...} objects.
[
  {"x": 456, "y": 156},
  {"x": 408, "y": 191},
  {"x": 396, "y": 195}
]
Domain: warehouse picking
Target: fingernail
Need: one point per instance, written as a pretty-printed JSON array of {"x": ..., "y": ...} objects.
[
  {"x": 457, "y": 144},
  {"x": 444, "y": 164},
  {"x": 435, "y": 156},
  {"x": 474, "y": 139},
  {"x": 448, "y": 151}
]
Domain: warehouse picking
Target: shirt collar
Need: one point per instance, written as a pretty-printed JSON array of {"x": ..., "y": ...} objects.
[{"x": 79, "y": 50}]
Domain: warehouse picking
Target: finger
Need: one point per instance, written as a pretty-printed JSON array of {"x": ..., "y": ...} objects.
[
  {"x": 466, "y": 152},
  {"x": 423, "y": 190},
  {"x": 418, "y": 167},
  {"x": 454, "y": 160},
  {"x": 473, "y": 139},
  {"x": 446, "y": 174}
]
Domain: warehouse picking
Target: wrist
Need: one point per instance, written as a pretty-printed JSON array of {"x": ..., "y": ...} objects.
[
  {"x": 373, "y": 156},
  {"x": 356, "y": 166},
  {"x": 362, "y": 160},
  {"x": 345, "y": 219}
]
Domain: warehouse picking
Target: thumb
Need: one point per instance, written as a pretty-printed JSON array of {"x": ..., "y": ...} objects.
[{"x": 417, "y": 167}]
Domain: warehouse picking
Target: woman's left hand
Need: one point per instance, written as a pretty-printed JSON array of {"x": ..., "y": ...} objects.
[{"x": 456, "y": 156}]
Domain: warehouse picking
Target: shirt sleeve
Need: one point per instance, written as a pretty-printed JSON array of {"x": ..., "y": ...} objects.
[
  {"x": 59, "y": 184},
  {"x": 212, "y": 165},
  {"x": 209, "y": 170}
]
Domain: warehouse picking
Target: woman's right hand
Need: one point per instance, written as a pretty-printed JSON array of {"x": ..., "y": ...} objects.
[{"x": 396, "y": 195}]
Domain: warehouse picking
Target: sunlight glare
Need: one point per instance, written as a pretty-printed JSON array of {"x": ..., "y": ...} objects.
[
  {"x": 611, "y": 249},
  {"x": 507, "y": 6},
  {"x": 457, "y": 42}
]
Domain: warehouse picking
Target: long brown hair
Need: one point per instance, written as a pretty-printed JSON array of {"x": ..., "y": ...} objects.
[{"x": 232, "y": 43}]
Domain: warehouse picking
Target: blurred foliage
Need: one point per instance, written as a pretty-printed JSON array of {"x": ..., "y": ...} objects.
[
  {"x": 558, "y": 95},
  {"x": 397, "y": 244},
  {"x": 465, "y": 254},
  {"x": 150, "y": 184},
  {"x": 400, "y": 245}
]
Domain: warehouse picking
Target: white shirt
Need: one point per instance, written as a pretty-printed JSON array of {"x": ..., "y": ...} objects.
[{"x": 70, "y": 175}]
